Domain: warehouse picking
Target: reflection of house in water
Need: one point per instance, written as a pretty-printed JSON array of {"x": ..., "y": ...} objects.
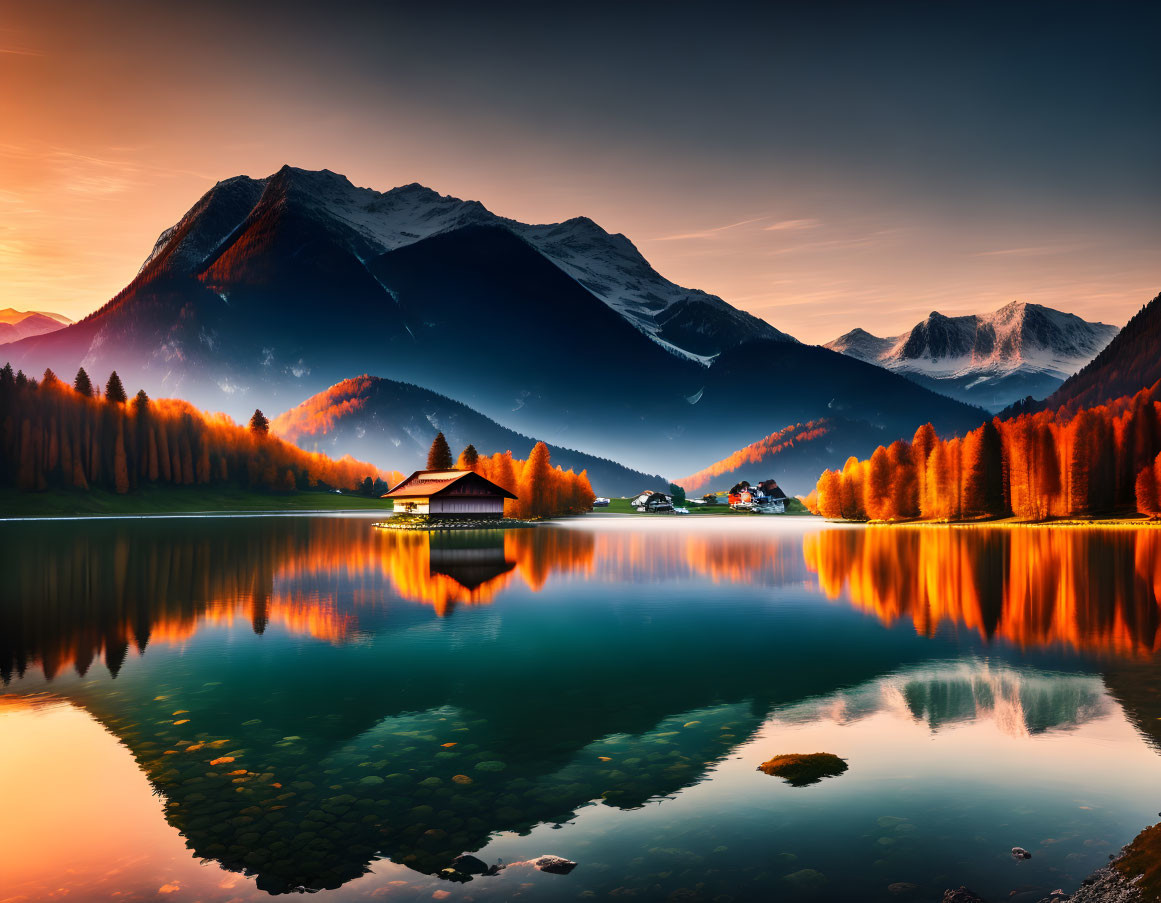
[{"x": 472, "y": 558}]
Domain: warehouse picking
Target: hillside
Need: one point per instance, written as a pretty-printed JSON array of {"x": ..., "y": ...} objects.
[
  {"x": 1130, "y": 362},
  {"x": 986, "y": 359},
  {"x": 393, "y": 424},
  {"x": 794, "y": 456}
]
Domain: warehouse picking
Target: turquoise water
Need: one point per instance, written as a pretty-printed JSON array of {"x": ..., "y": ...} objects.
[{"x": 309, "y": 703}]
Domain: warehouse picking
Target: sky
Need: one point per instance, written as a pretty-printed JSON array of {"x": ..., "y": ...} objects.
[{"x": 823, "y": 165}]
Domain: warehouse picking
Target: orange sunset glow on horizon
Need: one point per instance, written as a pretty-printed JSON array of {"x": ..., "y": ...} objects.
[{"x": 786, "y": 195}]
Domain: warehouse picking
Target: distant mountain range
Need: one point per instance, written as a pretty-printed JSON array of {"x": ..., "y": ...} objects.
[
  {"x": 24, "y": 324},
  {"x": 270, "y": 290},
  {"x": 392, "y": 425},
  {"x": 989, "y": 359}
]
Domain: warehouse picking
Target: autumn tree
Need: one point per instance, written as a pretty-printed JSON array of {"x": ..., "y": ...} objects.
[
  {"x": 877, "y": 489},
  {"x": 904, "y": 482},
  {"x": 439, "y": 456},
  {"x": 259, "y": 425},
  {"x": 469, "y": 458},
  {"x": 535, "y": 490},
  {"x": 830, "y": 491},
  {"x": 82, "y": 383},
  {"x": 922, "y": 444},
  {"x": 1147, "y": 494}
]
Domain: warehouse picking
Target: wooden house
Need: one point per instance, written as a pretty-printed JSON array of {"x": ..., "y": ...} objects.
[
  {"x": 449, "y": 493},
  {"x": 651, "y": 502}
]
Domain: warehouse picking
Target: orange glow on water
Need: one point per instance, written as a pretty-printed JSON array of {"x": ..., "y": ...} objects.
[
  {"x": 1089, "y": 590},
  {"x": 1031, "y": 587}
]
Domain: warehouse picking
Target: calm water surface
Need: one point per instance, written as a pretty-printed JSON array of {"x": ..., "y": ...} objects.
[{"x": 224, "y": 709}]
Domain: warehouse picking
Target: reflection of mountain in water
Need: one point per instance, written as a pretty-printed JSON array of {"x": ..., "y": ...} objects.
[
  {"x": 1020, "y": 701},
  {"x": 304, "y": 762}
]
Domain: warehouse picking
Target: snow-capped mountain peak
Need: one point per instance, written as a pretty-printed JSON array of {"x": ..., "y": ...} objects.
[
  {"x": 1029, "y": 346},
  {"x": 687, "y": 322}
]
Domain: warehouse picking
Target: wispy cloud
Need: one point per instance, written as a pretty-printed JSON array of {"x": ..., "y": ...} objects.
[
  {"x": 792, "y": 225},
  {"x": 711, "y": 233},
  {"x": 874, "y": 239},
  {"x": 20, "y": 51},
  {"x": 1035, "y": 251}
]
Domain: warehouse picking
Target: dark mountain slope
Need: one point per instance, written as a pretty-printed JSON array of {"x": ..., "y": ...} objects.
[
  {"x": 506, "y": 332},
  {"x": 1129, "y": 363},
  {"x": 393, "y": 423},
  {"x": 780, "y": 383}
]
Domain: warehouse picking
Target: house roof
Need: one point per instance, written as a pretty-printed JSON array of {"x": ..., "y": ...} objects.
[{"x": 425, "y": 483}]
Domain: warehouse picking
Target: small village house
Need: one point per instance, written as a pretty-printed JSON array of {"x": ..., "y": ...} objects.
[
  {"x": 449, "y": 493},
  {"x": 653, "y": 502},
  {"x": 765, "y": 498}
]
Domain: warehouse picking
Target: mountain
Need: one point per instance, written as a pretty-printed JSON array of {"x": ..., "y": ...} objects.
[
  {"x": 686, "y": 321},
  {"x": 988, "y": 359},
  {"x": 1129, "y": 363},
  {"x": 270, "y": 290},
  {"x": 394, "y": 422},
  {"x": 23, "y": 324}
]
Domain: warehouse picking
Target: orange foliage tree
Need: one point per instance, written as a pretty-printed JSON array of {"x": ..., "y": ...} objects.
[
  {"x": 541, "y": 489},
  {"x": 53, "y": 435},
  {"x": 1046, "y": 464}
]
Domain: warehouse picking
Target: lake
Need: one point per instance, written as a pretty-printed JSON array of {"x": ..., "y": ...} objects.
[{"x": 221, "y": 709}]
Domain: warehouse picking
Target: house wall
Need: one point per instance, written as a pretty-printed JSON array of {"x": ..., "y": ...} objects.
[{"x": 481, "y": 505}]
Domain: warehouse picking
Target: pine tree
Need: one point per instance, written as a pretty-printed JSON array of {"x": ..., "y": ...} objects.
[
  {"x": 259, "y": 425},
  {"x": 468, "y": 458},
  {"x": 82, "y": 383},
  {"x": 114, "y": 391},
  {"x": 439, "y": 455}
]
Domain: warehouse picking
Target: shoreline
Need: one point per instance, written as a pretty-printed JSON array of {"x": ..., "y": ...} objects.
[{"x": 178, "y": 515}]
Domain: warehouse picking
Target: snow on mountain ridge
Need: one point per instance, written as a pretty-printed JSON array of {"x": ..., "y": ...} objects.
[
  {"x": 608, "y": 265},
  {"x": 1018, "y": 336}
]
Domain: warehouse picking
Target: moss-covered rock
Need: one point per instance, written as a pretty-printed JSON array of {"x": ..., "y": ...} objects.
[{"x": 803, "y": 769}]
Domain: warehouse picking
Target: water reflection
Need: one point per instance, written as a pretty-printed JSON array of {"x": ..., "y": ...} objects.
[
  {"x": 1019, "y": 701},
  {"x": 1093, "y": 590},
  {"x": 311, "y": 695}
]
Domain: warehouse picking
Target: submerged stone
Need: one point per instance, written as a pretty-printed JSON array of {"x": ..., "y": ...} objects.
[{"x": 807, "y": 879}]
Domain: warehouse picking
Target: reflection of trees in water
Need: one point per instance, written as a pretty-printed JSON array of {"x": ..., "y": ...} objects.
[
  {"x": 73, "y": 595},
  {"x": 1094, "y": 590},
  {"x": 70, "y": 597}
]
